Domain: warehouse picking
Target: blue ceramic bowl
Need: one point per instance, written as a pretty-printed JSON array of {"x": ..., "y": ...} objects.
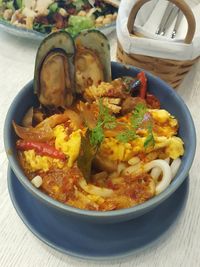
[{"x": 169, "y": 100}]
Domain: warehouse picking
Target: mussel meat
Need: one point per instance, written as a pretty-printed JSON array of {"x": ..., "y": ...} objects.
[
  {"x": 92, "y": 59},
  {"x": 54, "y": 71}
]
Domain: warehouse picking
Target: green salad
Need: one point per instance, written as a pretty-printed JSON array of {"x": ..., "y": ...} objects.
[{"x": 46, "y": 16}]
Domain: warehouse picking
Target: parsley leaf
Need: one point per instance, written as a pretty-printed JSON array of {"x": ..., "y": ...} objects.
[
  {"x": 105, "y": 120},
  {"x": 138, "y": 115},
  {"x": 136, "y": 119},
  {"x": 126, "y": 136},
  {"x": 150, "y": 141},
  {"x": 97, "y": 135}
]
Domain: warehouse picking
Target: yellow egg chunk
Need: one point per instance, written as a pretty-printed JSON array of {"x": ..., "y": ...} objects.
[
  {"x": 138, "y": 145},
  {"x": 175, "y": 148},
  {"x": 95, "y": 198},
  {"x": 164, "y": 123},
  {"x": 60, "y": 135},
  {"x": 36, "y": 162},
  {"x": 70, "y": 146},
  {"x": 161, "y": 142},
  {"x": 160, "y": 115},
  {"x": 73, "y": 147},
  {"x": 114, "y": 150}
]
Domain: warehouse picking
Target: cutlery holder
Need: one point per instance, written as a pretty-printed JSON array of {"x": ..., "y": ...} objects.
[{"x": 168, "y": 64}]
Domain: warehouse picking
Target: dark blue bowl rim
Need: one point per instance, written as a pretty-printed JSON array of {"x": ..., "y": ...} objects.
[{"x": 141, "y": 208}]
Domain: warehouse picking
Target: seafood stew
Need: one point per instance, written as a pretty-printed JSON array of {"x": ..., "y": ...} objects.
[{"x": 112, "y": 146}]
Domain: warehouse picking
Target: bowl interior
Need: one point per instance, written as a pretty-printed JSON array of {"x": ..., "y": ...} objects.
[{"x": 169, "y": 100}]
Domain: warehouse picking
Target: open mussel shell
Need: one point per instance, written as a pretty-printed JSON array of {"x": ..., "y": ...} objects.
[
  {"x": 54, "y": 76},
  {"x": 92, "y": 59}
]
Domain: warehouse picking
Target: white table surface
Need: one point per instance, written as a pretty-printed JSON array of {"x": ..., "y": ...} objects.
[{"x": 19, "y": 247}]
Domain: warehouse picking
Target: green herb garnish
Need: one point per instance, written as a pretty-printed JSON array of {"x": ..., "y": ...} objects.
[
  {"x": 97, "y": 134},
  {"x": 136, "y": 120},
  {"x": 150, "y": 141},
  {"x": 138, "y": 115},
  {"x": 126, "y": 136},
  {"x": 105, "y": 121}
]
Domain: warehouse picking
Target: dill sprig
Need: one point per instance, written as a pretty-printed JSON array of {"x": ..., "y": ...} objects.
[{"x": 105, "y": 121}]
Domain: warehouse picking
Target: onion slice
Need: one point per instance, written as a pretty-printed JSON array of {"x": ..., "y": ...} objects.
[
  {"x": 53, "y": 120},
  {"x": 28, "y": 118},
  {"x": 166, "y": 170},
  {"x": 95, "y": 190},
  {"x": 74, "y": 118},
  {"x": 42, "y": 134},
  {"x": 175, "y": 166},
  {"x": 156, "y": 172}
]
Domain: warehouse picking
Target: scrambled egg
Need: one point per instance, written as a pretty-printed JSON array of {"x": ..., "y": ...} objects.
[
  {"x": 36, "y": 162},
  {"x": 115, "y": 150},
  {"x": 165, "y": 127},
  {"x": 160, "y": 115},
  {"x": 164, "y": 123},
  {"x": 111, "y": 148},
  {"x": 60, "y": 135},
  {"x": 69, "y": 145},
  {"x": 175, "y": 148}
]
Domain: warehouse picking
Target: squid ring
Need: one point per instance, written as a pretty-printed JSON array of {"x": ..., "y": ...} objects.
[{"x": 166, "y": 170}]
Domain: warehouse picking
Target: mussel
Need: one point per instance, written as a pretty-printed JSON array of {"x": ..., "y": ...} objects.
[
  {"x": 54, "y": 71},
  {"x": 92, "y": 59},
  {"x": 65, "y": 66}
]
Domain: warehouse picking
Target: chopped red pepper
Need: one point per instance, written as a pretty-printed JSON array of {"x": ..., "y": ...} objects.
[
  {"x": 143, "y": 84},
  {"x": 43, "y": 149},
  {"x": 152, "y": 101}
]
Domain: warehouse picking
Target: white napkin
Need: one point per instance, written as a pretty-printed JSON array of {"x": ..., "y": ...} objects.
[
  {"x": 156, "y": 9},
  {"x": 147, "y": 21}
]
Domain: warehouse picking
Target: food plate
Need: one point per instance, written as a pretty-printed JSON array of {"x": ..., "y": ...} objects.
[
  {"x": 31, "y": 34},
  {"x": 95, "y": 241}
]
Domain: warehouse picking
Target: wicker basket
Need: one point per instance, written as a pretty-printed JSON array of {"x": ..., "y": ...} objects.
[{"x": 171, "y": 71}]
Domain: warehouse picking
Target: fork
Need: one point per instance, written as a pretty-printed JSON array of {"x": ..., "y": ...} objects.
[
  {"x": 164, "y": 18},
  {"x": 167, "y": 19},
  {"x": 177, "y": 24}
]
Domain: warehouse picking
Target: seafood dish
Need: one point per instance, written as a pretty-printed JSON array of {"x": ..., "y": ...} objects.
[
  {"x": 94, "y": 143},
  {"x": 49, "y": 16}
]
